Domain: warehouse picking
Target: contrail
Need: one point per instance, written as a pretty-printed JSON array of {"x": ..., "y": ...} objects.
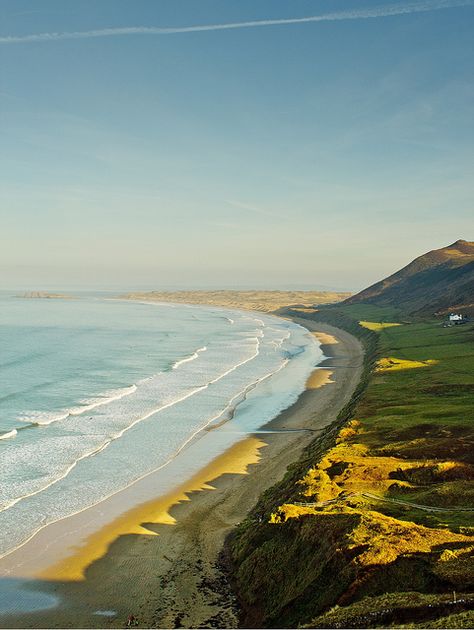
[{"x": 356, "y": 14}]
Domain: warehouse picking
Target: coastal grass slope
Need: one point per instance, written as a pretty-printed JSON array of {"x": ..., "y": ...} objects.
[{"x": 375, "y": 525}]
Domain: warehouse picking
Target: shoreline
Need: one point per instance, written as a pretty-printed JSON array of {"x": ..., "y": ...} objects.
[
  {"x": 159, "y": 560},
  {"x": 190, "y": 441}
]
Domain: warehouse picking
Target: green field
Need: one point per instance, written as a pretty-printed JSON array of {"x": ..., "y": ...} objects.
[
  {"x": 384, "y": 502},
  {"x": 426, "y": 416}
]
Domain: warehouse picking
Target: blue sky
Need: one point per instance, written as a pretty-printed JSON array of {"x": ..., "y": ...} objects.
[{"x": 301, "y": 154}]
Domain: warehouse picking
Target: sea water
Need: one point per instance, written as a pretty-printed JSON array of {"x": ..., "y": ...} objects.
[{"x": 97, "y": 393}]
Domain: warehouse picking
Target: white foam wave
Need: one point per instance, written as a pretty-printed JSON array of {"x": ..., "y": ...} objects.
[
  {"x": 253, "y": 345},
  {"x": 120, "y": 433},
  {"x": 229, "y": 410},
  {"x": 235, "y": 401},
  {"x": 278, "y": 343},
  {"x": 9, "y": 434},
  {"x": 191, "y": 357},
  {"x": 99, "y": 449},
  {"x": 43, "y": 417},
  {"x": 255, "y": 319},
  {"x": 46, "y": 418},
  {"x": 237, "y": 365}
]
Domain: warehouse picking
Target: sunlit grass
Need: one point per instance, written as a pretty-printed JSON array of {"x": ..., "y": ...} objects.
[
  {"x": 391, "y": 364},
  {"x": 357, "y": 519},
  {"x": 377, "y": 326}
]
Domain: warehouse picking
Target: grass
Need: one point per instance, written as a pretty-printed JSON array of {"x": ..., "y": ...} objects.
[
  {"x": 391, "y": 609},
  {"x": 420, "y": 419},
  {"x": 391, "y": 364},
  {"x": 378, "y": 326},
  {"x": 333, "y": 532}
]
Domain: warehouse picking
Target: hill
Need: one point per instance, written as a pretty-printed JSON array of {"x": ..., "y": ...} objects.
[
  {"x": 374, "y": 525},
  {"x": 434, "y": 283}
]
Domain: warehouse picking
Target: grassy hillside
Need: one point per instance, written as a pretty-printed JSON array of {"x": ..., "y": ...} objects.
[
  {"x": 437, "y": 282},
  {"x": 375, "y": 525}
]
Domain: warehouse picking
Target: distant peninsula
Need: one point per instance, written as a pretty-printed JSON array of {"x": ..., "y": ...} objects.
[
  {"x": 44, "y": 295},
  {"x": 266, "y": 301}
]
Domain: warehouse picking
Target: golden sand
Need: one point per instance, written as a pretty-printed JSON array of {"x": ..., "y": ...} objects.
[
  {"x": 319, "y": 378},
  {"x": 325, "y": 338},
  {"x": 140, "y": 520}
]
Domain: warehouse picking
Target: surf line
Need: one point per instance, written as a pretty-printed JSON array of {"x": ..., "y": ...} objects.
[{"x": 118, "y": 435}]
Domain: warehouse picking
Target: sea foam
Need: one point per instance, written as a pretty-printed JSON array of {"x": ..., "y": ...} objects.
[
  {"x": 191, "y": 371},
  {"x": 8, "y": 434}
]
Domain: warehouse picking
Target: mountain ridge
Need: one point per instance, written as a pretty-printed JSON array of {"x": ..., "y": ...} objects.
[{"x": 433, "y": 283}]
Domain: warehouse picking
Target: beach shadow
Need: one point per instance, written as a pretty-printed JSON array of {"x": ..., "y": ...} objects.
[
  {"x": 150, "y": 518},
  {"x": 133, "y": 564},
  {"x": 18, "y": 596},
  {"x": 135, "y": 560}
]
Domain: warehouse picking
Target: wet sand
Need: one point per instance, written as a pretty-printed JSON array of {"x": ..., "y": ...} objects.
[{"x": 160, "y": 560}]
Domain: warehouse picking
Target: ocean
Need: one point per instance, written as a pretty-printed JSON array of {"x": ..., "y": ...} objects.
[{"x": 97, "y": 393}]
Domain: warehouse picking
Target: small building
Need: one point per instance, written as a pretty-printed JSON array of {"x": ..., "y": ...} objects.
[{"x": 455, "y": 319}]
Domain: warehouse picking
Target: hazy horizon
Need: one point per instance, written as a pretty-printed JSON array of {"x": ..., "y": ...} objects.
[{"x": 231, "y": 145}]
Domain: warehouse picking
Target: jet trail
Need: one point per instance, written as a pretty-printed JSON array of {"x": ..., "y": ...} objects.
[{"x": 356, "y": 14}]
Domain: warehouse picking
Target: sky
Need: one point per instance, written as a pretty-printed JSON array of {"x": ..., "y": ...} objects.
[{"x": 262, "y": 149}]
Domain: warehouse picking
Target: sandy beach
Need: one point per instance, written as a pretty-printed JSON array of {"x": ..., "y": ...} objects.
[{"x": 160, "y": 560}]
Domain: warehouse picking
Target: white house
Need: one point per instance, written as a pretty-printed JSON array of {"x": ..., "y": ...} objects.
[{"x": 455, "y": 317}]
